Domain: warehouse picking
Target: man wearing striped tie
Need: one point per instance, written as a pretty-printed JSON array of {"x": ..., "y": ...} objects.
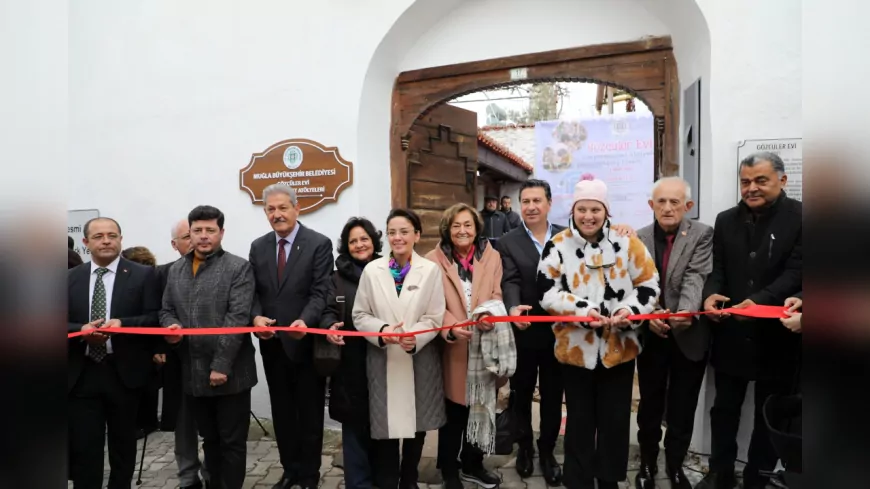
[{"x": 106, "y": 373}]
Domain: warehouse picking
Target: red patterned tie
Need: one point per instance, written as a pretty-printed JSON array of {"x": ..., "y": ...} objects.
[{"x": 282, "y": 258}]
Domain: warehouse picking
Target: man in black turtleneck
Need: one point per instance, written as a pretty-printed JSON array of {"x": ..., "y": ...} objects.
[{"x": 757, "y": 259}]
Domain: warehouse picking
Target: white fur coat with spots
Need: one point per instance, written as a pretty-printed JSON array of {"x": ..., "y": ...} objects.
[{"x": 576, "y": 276}]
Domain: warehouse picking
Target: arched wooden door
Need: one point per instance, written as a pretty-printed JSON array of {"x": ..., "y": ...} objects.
[
  {"x": 442, "y": 166},
  {"x": 645, "y": 68}
]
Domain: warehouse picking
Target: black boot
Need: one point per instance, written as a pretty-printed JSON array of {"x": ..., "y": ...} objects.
[
  {"x": 525, "y": 461},
  {"x": 718, "y": 480},
  {"x": 645, "y": 478},
  {"x": 480, "y": 476},
  {"x": 550, "y": 469}
]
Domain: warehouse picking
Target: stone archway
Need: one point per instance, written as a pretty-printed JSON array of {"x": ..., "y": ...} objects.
[{"x": 645, "y": 68}]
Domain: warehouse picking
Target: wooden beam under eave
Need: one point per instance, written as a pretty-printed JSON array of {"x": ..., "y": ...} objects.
[{"x": 494, "y": 161}]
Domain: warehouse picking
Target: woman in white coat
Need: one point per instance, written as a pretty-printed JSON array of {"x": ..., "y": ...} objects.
[{"x": 402, "y": 292}]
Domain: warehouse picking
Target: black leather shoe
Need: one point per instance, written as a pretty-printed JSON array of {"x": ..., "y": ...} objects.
[
  {"x": 525, "y": 461},
  {"x": 645, "y": 478},
  {"x": 718, "y": 480},
  {"x": 481, "y": 477},
  {"x": 678, "y": 478},
  {"x": 551, "y": 469},
  {"x": 285, "y": 483}
]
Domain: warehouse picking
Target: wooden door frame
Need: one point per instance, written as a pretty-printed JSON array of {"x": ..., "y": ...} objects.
[{"x": 645, "y": 68}]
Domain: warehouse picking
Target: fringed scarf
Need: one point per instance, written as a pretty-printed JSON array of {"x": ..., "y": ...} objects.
[
  {"x": 491, "y": 355},
  {"x": 399, "y": 273},
  {"x": 466, "y": 264}
]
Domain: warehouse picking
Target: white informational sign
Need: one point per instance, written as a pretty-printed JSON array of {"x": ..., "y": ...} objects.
[
  {"x": 617, "y": 149},
  {"x": 75, "y": 227},
  {"x": 791, "y": 152}
]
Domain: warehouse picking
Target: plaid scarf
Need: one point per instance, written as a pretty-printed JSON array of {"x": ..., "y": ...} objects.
[
  {"x": 491, "y": 354},
  {"x": 399, "y": 273}
]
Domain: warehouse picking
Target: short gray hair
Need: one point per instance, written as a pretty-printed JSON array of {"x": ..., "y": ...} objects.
[
  {"x": 277, "y": 188},
  {"x": 174, "y": 232},
  {"x": 763, "y": 156},
  {"x": 658, "y": 182}
]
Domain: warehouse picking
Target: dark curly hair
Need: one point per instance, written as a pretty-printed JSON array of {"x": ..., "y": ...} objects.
[{"x": 367, "y": 226}]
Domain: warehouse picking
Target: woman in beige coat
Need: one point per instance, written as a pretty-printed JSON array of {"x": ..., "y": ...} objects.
[
  {"x": 401, "y": 292},
  {"x": 471, "y": 271}
]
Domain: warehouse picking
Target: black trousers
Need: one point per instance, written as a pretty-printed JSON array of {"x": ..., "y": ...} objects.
[
  {"x": 667, "y": 378},
  {"x": 453, "y": 447},
  {"x": 223, "y": 423},
  {"x": 725, "y": 422},
  {"x": 598, "y": 425},
  {"x": 391, "y": 472},
  {"x": 297, "y": 394},
  {"x": 530, "y": 364},
  {"x": 100, "y": 403}
]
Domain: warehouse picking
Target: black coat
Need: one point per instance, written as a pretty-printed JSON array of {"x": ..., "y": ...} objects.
[
  {"x": 495, "y": 224},
  {"x": 348, "y": 387},
  {"x": 514, "y": 219},
  {"x": 759, "y": 259},
  {"x": 519, "y": 260},
  {"x": 135, "y": 301}
]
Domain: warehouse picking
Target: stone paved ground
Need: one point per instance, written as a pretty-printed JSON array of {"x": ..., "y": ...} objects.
[{"x": 264, "y": 470}]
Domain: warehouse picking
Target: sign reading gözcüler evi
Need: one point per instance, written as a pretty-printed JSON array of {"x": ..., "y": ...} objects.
[{"x": 317, "y": 173}]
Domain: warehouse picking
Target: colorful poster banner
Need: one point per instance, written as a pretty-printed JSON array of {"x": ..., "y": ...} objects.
[{"x": 617, "y": 149}]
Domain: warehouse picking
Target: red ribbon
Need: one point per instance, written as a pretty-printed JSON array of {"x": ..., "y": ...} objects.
[{"x": 756, "y": 311}]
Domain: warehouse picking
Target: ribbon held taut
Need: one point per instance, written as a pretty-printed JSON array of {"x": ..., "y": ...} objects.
[{"x": 755, "y": 311}]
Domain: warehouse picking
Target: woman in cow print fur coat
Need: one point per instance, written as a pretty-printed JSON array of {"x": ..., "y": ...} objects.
[{"x": 587, "y": 270}]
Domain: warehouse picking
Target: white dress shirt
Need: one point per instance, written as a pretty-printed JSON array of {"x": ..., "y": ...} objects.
[
  {"x": 538, "y": 245},
  {"x": 109, "y": 284}
]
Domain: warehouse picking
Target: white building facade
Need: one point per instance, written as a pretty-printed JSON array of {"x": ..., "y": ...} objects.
[{"x": 169, "y": 100}]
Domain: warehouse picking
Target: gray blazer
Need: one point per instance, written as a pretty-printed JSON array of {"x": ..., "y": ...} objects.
[
  {"x": 220, "y": 295},
  {"x": 690, "y": 262}
]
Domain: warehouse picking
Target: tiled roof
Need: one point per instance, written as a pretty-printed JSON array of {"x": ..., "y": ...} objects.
[
  {"x": 501, "y": 150},
  {"x": 519, "y": 138}
]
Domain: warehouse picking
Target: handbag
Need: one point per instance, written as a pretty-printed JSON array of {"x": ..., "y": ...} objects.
[
  {"x": 327, "y": 357},
  {"x": 505, "y": 428}
]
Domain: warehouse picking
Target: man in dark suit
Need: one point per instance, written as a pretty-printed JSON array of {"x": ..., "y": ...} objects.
[
  {"x": 757, "y": 259},
  {"x": 674, "y": 359},
  {"x": 106, "y": 373},
  {"x": 293, "y": 268},
  {"x": 520, "y": 251},
  {"x": 177, "y": 414}
]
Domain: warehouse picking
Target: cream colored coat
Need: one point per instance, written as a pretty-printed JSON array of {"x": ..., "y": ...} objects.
[{"x": 406, "y": 393}]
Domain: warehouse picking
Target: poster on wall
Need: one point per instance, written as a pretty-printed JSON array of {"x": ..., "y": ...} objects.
[
  {"x": 617, "y": 149},
  {"x": 76, "y": 220},
  {"x": 791, "y": 152}
]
